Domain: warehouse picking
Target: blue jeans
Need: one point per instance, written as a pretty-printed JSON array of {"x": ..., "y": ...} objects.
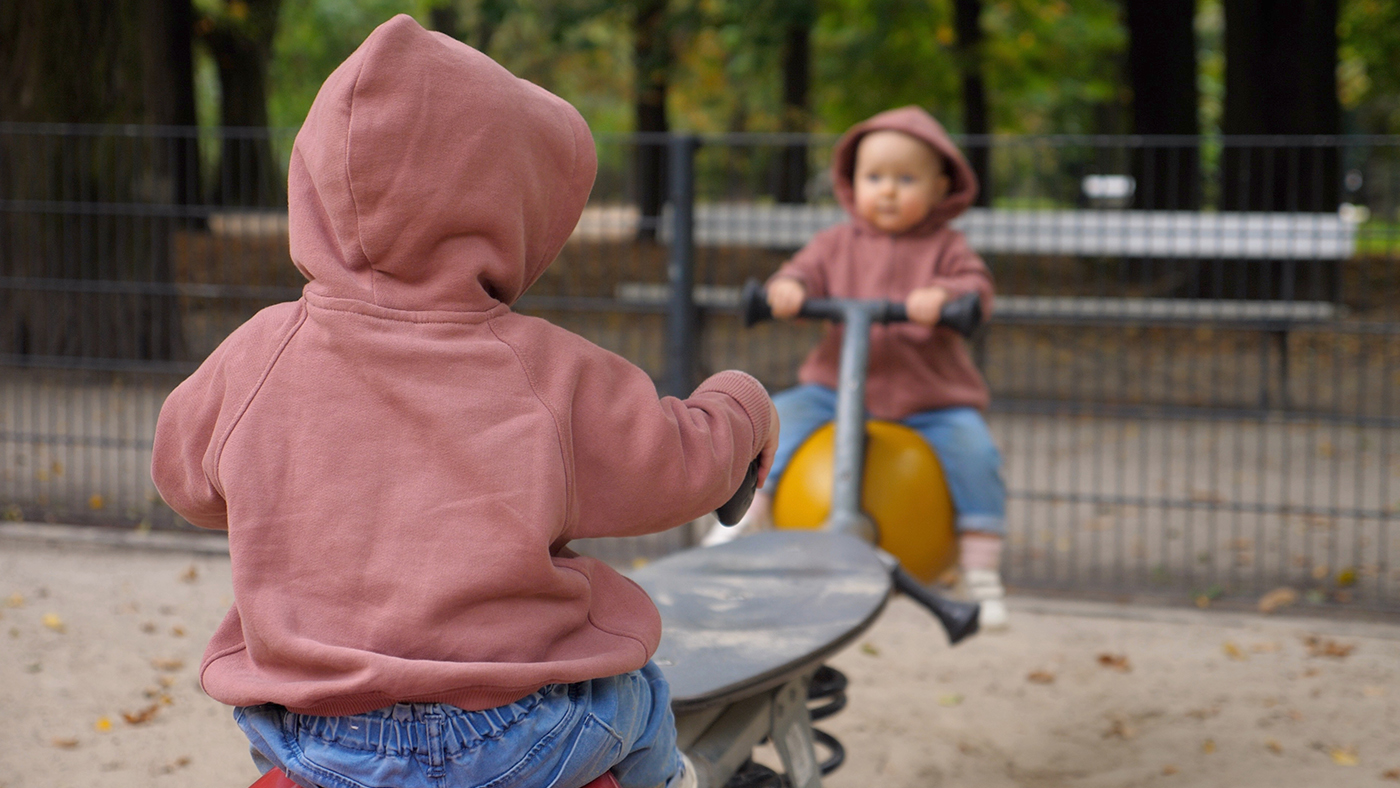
[
  {"x": 562, "y": 736},
  {"x": 959, "y": 436}
]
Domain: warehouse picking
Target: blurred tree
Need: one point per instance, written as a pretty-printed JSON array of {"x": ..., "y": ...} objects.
[
  {"x": 239, "y": 35},
  {"x": 795, "y": 19},
  {"x": 1369, "y": 72},
  {"x": 1162, "y": 76},
  {"x": 134, "y": 68},
  {"x": 968, "y": 22},
  {"x": 1280, "y": 78}
]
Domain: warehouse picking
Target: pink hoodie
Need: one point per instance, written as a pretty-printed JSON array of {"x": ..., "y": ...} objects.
[
  {"x": 400, "y": 459},
  {"x": 912, "y": 368}
]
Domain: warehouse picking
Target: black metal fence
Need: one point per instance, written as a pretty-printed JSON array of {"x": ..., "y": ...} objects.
[{"x": 1194, "y": 360}]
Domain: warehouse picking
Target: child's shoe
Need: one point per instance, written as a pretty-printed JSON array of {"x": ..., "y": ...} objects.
[
  {"x": 686, "y": 777},
  {"x": 983, "y": 586}
]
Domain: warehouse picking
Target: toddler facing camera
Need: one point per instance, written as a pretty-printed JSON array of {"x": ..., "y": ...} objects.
[
  {"x": 901, "y": 179},
  {"x": 400, "y": 460}
]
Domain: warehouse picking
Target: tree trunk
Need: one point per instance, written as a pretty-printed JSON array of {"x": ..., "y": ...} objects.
[
  {"x": 1280, "y": 78},
  {"x": 79, "y": 281},
  {"x": 652, "y": 61},
  {"x": 797, "y": 59},
  {"x": 248, "y": 171},
  {"x": 1162, "y": 73},
  {"x": 967, "y": 21}
]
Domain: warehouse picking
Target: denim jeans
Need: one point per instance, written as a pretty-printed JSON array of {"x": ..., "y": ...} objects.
[
  {"x": 561, "y": 736},
  {"x": 959, "y": 436}
]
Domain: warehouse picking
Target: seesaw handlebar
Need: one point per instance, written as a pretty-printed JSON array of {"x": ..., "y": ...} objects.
[{"x": 962, "y": 314}]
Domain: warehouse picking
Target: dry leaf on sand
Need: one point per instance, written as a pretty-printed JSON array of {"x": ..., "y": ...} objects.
[
  {"x": 1118, "y": 662},
  {"x": 1040, "y": 677}
]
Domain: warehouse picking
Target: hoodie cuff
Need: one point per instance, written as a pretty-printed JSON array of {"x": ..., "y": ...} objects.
[{"x": 751, "y": 396}]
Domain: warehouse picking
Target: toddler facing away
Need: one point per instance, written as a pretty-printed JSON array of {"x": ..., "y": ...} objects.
[
  {"x": 400, "y": 460},
  {"x": 901, "y": 179}
]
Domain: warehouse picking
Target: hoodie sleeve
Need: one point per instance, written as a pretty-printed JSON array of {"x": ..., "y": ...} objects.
[
  {"x": 809, "y": 265},
  {"x": 960, "y": 271},
  {"x": 199, "y": 413},
  {"x": 636, "y": 463}
]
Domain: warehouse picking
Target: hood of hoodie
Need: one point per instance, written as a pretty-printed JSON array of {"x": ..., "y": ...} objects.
[
  {"x": 914, "y": 121},
  {"x": 427, "y": 177}
]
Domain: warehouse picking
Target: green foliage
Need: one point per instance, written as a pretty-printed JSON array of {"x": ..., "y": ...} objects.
[
  {"x": 1368, "y": 74},
  {"x": 1048, "y": 65},
  {"x": 313, "y": 37}
]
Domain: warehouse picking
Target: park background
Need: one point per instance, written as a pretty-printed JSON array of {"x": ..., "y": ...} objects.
[{"x": 1192, "y": 210}]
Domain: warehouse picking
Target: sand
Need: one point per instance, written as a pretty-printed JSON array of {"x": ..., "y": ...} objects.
[{"x": 101, "y": 645}]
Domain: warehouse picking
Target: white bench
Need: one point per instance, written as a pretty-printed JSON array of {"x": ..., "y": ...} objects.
[{"x": 1075, "y": 233}]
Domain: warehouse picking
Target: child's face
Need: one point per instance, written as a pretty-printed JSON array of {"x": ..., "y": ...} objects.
[{"x": 898, "y": 180}]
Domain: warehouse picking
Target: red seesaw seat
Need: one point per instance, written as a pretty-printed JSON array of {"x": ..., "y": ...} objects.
[{"x": 276, "y": 779}]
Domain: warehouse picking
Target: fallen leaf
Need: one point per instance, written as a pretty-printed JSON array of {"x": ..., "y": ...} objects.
[
  {"x": 178, "y": 763},
  {"x": 869, "y": 648},
  {"x": 190, "y": 574},
  {"x": 1391, "y": 774},
  {"x": 1274, "y": 747},
  {"x": 1040, "y": 677},
  {"x": 149, "y": 627},
  {"x": 52, "y": 621},
  {"x": 950, "y": 700},
  {"x": 64, "y": 744},
  {"x": 1203, "y": 714},
  {"x": 1346, "y": 577},
  {"x": 1168, "y": 770},
  {"x": 166, "y": 681},
  {"x": 168, "y": 665},
  {"x": 1295, "y": 715},
  {"x": 177, "y": 631},
  {"x": 1345, "y": 756},
  {"x": 1203, "y": 601},
  {"x": 103, "y": 724},
  {"x": 1277, "y": 598},
  {"x": 1118, "y": 662},
  {"x": 1208, "y": 746},
  {"x": 142, "y": 716},
  {"x": 16, "y": 600},
  {"x": 1120, "y": 729},
  {"x": 1233, "y": 652},
  {"x": 1326, "y": 647}
]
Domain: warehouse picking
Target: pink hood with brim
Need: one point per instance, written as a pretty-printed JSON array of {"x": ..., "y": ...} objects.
[
  {"x": 371, "y": 155},
  {"x": 917, "y": 123}
]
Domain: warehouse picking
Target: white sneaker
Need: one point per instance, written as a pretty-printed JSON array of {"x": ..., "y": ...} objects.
[
  {"x": 984, "y": 587},
  {"x": 686, "y": 777}
]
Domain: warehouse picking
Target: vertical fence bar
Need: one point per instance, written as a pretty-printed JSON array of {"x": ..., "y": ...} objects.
[{"x": 681, "y": 316}]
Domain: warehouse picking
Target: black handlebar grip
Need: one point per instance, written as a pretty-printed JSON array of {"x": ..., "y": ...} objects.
[
  {"x": 734, "y": 508},
  {"x": 754, "y": 304},
  {"x": 962, "y": 314},
  {"x": 959, "y": 619}
]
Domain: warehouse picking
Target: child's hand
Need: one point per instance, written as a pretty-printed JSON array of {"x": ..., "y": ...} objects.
[
  {"x": 770, "y": 446},
  {"x": 924, "y": 305},
  {"x": 785, "y": 297}
]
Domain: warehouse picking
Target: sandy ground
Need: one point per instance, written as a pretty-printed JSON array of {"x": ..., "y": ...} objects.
[{"x": 101, "y": 646}]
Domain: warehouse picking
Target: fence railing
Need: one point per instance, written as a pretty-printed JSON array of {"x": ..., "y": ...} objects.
[{"x": 1194, "y": 361}]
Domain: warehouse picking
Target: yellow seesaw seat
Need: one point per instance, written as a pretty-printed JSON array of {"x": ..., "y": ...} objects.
[{"x": 904, "y": 491}]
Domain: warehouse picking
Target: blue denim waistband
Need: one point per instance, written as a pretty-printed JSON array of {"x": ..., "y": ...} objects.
[{"x": 418, "y": 728}]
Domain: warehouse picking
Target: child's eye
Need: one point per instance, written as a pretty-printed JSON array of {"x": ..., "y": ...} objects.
[{"x": 906, "y": 179}]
